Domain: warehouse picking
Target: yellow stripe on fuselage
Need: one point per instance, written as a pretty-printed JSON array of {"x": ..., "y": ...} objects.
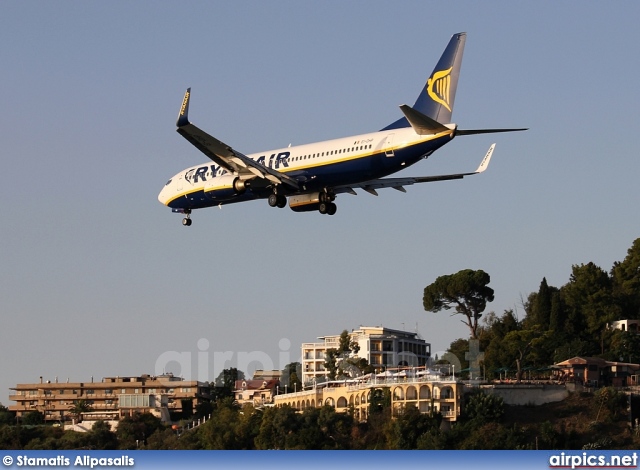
[
  {"x": 313, "y": 163},
  {"x": 364, "y": 155}
]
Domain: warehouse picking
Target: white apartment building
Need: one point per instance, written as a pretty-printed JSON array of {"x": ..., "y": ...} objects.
[
  {"x": 632, "y": 326},
  {"x": 381, "y": 347}
]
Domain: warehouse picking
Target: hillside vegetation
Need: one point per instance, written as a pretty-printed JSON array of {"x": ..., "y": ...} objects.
[{"x": 559, "y": 323}]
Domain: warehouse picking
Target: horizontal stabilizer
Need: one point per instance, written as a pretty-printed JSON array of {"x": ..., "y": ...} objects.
[
  {"x": 421, "y": 123},
  {"x": 487, "y": 131}
]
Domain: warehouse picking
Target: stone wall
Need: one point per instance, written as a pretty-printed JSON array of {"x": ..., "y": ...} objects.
[{"x": 525, "y": 394}]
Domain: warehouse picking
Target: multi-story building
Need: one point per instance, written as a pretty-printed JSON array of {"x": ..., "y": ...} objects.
[
  {"x": 595, "y": 371},
  {"x": 255, "y": 392},
  {"x": 442, "y": 395},
  {"x": 111, "y": 398},
  {"x": 381, "y": 347}
]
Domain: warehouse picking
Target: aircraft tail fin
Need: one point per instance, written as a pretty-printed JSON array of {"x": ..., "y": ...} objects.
[{"x": 438, "y": 95}]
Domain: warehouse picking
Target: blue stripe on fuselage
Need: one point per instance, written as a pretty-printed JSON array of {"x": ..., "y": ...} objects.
[{"x": 315, "y": 178}]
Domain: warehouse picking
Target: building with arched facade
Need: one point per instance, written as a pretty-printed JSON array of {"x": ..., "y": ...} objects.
[{"x": 443, "y": 396}]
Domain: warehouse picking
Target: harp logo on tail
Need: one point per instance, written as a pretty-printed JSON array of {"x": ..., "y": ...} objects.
[{"x": 439, "y": 86}]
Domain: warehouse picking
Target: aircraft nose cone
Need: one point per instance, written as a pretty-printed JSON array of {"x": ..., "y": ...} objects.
[{"x": 162, "y": 197}]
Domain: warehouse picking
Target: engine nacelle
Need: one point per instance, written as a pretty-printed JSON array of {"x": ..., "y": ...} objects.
[
  {"x": 224, "y": 187},
  {"x": 305, "y": 202}
]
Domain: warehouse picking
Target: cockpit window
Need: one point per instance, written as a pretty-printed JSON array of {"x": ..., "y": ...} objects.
[{"x": 168, "y": 183}]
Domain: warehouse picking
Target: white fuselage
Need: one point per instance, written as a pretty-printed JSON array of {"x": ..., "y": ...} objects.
[{"x": 344, "y": 161}]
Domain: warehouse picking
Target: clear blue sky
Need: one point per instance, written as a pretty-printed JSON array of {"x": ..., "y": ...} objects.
[{"x": 97, "y": 278}]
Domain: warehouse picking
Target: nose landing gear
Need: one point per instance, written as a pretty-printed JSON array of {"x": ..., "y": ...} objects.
[{"x": 187, "y": 220}]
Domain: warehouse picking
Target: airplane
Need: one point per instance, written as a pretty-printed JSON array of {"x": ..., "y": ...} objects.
[{"x": 311, "y": 176}]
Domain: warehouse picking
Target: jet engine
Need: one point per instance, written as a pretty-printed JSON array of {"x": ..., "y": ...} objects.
[
  {"x": 304, "y": 202},
  {"x": 225, "y": 187}
]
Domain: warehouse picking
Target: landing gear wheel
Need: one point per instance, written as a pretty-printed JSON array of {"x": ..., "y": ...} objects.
[
  {"x": 277, "y": 200},
  {"x": 187, "y": 220},
  {"x": 328, "y": 208}
]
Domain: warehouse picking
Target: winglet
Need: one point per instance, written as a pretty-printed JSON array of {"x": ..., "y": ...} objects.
[
  {"x": 183, "y": 116},
  {"x": 487, "y": 158}
]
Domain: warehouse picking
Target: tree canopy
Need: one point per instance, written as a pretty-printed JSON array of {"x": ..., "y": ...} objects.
[
  {"x": 559, "y": 323},
  {"x": 466, "y": 291},
  {"x": 291, "y": 376},
  {"x": 226, "y": 382}
]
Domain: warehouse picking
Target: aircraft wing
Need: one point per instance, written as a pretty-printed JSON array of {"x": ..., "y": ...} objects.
[
  {"x": 399, "y": 183},
  {"x": 222, "y": 154}
]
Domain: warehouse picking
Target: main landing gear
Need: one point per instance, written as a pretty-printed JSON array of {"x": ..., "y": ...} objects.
[
  {"x": 327, "y": 206},
  {"x": 277, "y": 200},
  {"x": 187, "y": 220}
]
